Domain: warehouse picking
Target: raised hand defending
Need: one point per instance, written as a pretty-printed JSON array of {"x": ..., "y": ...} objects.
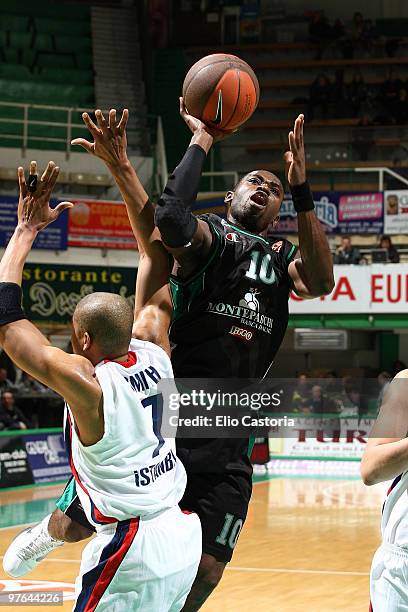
[
  {"x": 110, "y": 142},
  {"x": 295, "y": 159},
  {"x": 34, "y": 211}
]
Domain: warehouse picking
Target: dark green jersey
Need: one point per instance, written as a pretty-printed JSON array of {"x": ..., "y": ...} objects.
[
  {"x": 229, "y": 321},
  {"x": 230, "y": 318}
]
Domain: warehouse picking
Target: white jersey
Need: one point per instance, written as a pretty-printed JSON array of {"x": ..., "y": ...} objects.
[
  {"x": 394, "y": 522},
  {"x": 131, "y": 471}
]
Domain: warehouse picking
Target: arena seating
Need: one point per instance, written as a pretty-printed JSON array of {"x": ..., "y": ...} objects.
[{"x": 41, "y": 65}]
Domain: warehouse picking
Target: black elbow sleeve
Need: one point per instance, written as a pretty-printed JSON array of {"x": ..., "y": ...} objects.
[{"x": 177, "y": 225}]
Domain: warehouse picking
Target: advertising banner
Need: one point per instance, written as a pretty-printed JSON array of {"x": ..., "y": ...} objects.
[
  {"x": 316, "y": 439},
  {"x": 14, "y": 466},
  {"x": 369, "y": 289},
  {"x": 396, "y": 212},
  {"x": 96, "y": 223},
  {"x": 51, "y": 292},
  {"x": 54, "y": 237},
  {"x": 340, "y": 213},
  {"x": 47, "y": 457}
]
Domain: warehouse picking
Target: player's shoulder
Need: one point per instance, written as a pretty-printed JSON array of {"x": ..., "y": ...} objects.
[
  {"x": 213, "y": 220},
  {"x": 144, "y": 347},
  {"x": 402, "y": 374}
]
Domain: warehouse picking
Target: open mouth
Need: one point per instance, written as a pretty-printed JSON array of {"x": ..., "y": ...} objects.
[{"x": 260, "y": 198}]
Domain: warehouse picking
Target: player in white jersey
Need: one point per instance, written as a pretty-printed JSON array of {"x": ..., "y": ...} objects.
[
  {"x": 386, "y": 458},
  {"x": 146, "y": 551}
]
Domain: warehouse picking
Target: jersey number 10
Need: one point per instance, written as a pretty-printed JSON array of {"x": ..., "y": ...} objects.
[{"x": 261, "y": 269}]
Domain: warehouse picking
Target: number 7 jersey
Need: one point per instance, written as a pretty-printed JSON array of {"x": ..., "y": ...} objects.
[{"x": 132, "y": 471}]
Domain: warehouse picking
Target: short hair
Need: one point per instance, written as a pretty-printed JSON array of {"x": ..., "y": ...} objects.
[{"x": 108, "y": 319}]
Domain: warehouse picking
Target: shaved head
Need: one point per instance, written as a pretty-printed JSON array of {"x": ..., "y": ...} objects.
[{"x": 108, "y": 319}]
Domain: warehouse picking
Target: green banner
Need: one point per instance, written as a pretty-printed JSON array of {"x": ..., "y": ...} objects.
[{"x": 51, "y": 292}]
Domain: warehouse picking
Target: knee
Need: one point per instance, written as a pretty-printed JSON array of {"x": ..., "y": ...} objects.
[
  {"x": 210, "y": 572},
  {"x": 61, "y": 527}
]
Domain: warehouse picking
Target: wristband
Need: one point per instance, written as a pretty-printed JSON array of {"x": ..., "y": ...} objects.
[
  {"x": 10, "y": 303},
  {"x": 302, "y": 197}
]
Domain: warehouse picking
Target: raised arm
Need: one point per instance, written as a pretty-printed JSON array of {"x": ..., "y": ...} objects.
[
  {"x": 69, "y": 375},
  {"x": 153, "y": 306},
  {"x": 187, "y": 238},
  {"x": 312, "y": 272},
  {"x": 386, "y": 453}
]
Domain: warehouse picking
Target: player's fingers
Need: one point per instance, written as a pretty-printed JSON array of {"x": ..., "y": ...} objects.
[
  {"x": 292, "y": 143},
  {"x": 53, "y": 179},
  {"x": 61, "y": 207},
  {"x": 112, "y": 119},
  {"x": 288, "y": 157},
  {"x": 90, "y": 125},
  {"x": 123, "y": 121},
  {"x": 32, "y": 177},
  {"x": 101, "y": 121},
  {"x": 182, "y": 107},
  {"x": 302, "y": 141},
  {"x": 88, "y": 146},
  {"x": 297, "y": 128},
  {"x": 22, "y": 182},
  {"x": 47, "y": 172}
]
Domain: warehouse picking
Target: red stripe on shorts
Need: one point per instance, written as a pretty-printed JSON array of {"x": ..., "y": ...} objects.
[{"x": 111, "y": 567}]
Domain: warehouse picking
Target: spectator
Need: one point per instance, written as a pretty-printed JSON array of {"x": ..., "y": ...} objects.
[
  {"x": 390, "y": 93},
  {"x": 401, "y": 107},
  {"x": 346, "y": 253},
  {"x": 319, "y": 96},
  {"x": 397, "y": 366},
  {"x": 320, "y": 33},
  {"x": 392, "y": 253},
  {"x": 11, "y": 417},
  {"x": 320, "y": 403},
  {"x": 5, "y": 383},
  {"x": 29, "y": 385},
  {"x": 363, "y": 138},
  {"x": 384, "y": 379},
  {"x": 301, "y": 393},
  {"x": 357, "y": 93}
]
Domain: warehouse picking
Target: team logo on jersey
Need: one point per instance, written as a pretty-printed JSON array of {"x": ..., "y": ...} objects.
[
  {"x": 240, "y": 332},
  {"x": 249, "y": 300},
  {"x": 246, "y": 311},
  {"x": 232, "y": 237},
  {"x": 277, "y": 246}
]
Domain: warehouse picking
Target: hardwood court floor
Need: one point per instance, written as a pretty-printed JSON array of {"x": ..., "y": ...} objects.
[{"x": 307, "y": 545}]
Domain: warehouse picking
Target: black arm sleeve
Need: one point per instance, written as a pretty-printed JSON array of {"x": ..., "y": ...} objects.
[{"x": 173, "y": 216}]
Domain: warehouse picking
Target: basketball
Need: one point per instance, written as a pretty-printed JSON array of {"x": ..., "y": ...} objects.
[{"x": 221, "y": 90}]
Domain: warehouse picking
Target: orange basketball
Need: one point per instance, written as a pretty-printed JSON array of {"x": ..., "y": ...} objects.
[{"x": 221, "y": 90}]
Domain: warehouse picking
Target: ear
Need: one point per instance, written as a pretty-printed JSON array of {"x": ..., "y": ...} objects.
[
  {"x": 229, "y": 196},
  {"x": 86, "y": 341}
]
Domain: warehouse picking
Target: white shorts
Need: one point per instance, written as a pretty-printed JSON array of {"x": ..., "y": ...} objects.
[
  {"x": 146, "y": 564},
  {"x": 389, "y": 579}
]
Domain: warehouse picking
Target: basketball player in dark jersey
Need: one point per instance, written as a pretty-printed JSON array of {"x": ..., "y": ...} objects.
[{"x": 230, "y": 287}]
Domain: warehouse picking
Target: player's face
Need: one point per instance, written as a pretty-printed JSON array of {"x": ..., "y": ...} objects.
[{"x": 256, "y": 201}]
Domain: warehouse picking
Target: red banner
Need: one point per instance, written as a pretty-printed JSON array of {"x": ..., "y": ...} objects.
[{"x": 95, "y": 223}]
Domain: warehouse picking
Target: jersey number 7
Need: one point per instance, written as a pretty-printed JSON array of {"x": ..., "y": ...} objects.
[{"x": 156, "y": 402}]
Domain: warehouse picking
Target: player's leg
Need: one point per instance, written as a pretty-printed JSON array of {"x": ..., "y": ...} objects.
[
  {"x": 221, "y": 501},
  {"x": 389, "y": 580},
  {"x": 31, "y": 546},
  {"x": 146, "y": 564}
]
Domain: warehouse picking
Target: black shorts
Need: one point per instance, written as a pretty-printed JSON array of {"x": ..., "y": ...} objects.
[{"x": 220, "y": 500}]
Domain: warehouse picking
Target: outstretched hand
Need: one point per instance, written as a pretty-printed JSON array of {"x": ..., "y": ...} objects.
[
  {"x": 195, "y": 124},
  {"x": 110, "y": 142},
  {"x": 295, "y": 159},
  {"x": 34, "y": 211}
]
